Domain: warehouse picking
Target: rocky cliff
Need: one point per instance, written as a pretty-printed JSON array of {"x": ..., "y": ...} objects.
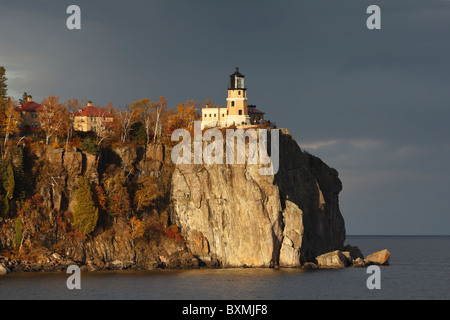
[
  {"x": 232, "y": 214},
  {"x": 228, "y": 215}
]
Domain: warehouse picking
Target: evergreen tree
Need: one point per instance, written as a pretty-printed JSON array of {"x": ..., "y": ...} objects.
[
  {"x": 90, "y": 146},
  {"x": 8, "y": 180},
  {"x": 3, "y": 85},
  {"x": 4, "y": 208},
  {"x": 18, "y": 233},
  {"x": 85, "y": 215},
  {"x": 19, "y": 176},
  {"x": 8, "y": 187},
  {"x": 24, "y": 98}
]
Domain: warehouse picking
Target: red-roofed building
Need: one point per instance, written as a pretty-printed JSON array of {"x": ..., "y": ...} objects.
[
  {"x": 89, "y": 118},
  {"x": 29, "y": 112}
]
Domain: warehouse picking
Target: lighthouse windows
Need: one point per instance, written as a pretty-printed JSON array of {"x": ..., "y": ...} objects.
[{"x": 239, "y": 83}]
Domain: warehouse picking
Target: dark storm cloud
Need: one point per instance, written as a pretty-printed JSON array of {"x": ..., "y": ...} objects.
[{"x": 372, "y": 104}]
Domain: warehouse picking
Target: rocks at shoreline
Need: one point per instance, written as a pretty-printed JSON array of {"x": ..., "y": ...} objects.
[
  {"x": 335, "y": 259},
  {"x": 55, "y": 263},
  {"x": 379, "y": 258},
  {"x": 352, "y": 257},
  {"x": 3, "y": 269}
]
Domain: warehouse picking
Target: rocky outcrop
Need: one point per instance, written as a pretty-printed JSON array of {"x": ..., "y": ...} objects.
[
  {"x": 3, "y": 269},
  {"x": 379, "y": 258},
  {"x": 61, "y": 179},
  {"x": 112, "y": 245},
  {"x": 229, "y": 215},
  {"x": 335, "y": 259},
  {"x": 351, "y": 258},
  {"x": 241, "y": 218}
]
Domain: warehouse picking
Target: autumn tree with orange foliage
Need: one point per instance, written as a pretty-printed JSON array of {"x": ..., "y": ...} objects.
[
  {"x": 9, "y": 120},
  {"x": 173, "y": 232},
  {"x": 137, "y": 228},
  {"x": 52, "y": 117},
  {"x": 183, "y": 117},
  {"x": 118, "y": 201},
  {"x": 100, "y": 197},
  {"x": 147, "y": 192}
]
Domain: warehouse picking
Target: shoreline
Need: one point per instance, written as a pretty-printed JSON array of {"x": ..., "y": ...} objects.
[{"x": 331, "y": 260}]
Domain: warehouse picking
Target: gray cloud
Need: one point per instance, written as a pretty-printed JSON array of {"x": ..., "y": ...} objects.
[{"x": 372, "y": 104}]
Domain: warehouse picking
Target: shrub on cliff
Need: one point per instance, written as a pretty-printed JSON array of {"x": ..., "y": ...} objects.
[
  {"x": 18, "y": 233},
  {"x": 147, "y": 192},
  {"x": 8, "y": 188},
  {"x": 85, "y": 214},
  {"x": 19, "y": 176},
  {"x": 90, "y": 146},
  {"x": 172, "y": 232}
]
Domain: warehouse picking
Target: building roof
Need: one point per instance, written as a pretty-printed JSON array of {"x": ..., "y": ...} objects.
[
  {"x": 213, "y": 108},
  {"x": 253, "y": 110},
  {"x": 92, "y": 112},
  {"x": 29, "y": 106},
  {"x": 237, "y": 74}
]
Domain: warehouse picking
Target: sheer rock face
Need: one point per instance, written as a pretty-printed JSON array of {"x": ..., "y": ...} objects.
[
  {"x": 230, "y": 215},
  {"x": 59, "y": 187},
  {"x": 233, "y": 214}
]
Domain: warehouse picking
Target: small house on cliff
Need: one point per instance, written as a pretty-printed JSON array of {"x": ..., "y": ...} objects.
[
  {"x": 89, "y": 118},
  {"x": 29, "y": 112}
]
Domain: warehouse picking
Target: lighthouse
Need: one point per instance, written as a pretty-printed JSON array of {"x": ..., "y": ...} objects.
[
  {"x": 237, "y": 110},
  {"x": 237, "y": 100}
]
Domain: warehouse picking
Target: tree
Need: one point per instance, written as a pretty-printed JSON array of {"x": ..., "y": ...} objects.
[
  {"x": 126, "y": 119},
  {"x": 100, "y": 198},
  {"x": 72, "y": 106},
  {"x": 103, "y": 130},
  {"x": 150, "y": 114},
  {"x": 183, "y": 117},
  {"x": 117, "y": 195},
  {"x": 138, "y": 133},
  {"x": 4, "y": 206},
  {"x": 8, "y": 186},
  {"x": 8, "y": 180},
  {"x": 19, "y": 176},
  {"x": 119, "y": 203},
  {"x": 85, "y": 214},
  {"x": 18, "y": 233},
  {"x": 51, "y": 117},
  {"x": 9, "y": 122},
  {"x": 137, "y": 228},
  {"x": 3, "y": 85},
  {"x": 147, "y": 192},
  {"x": 90, "y": 146},
  {"x": 24, "y": 98},
  {"x": 161, "y": 107},
  {"x": 146, "y": 115}
]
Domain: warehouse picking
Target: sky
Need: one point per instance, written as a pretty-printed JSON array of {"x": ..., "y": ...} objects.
[{"x": 373, "y": 104}]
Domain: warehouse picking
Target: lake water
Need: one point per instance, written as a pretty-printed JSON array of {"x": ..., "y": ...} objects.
[{"x": 419, "y": 269}]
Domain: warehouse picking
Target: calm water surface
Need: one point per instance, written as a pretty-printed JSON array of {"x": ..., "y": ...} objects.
[{"x": 420, "y": 269}]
